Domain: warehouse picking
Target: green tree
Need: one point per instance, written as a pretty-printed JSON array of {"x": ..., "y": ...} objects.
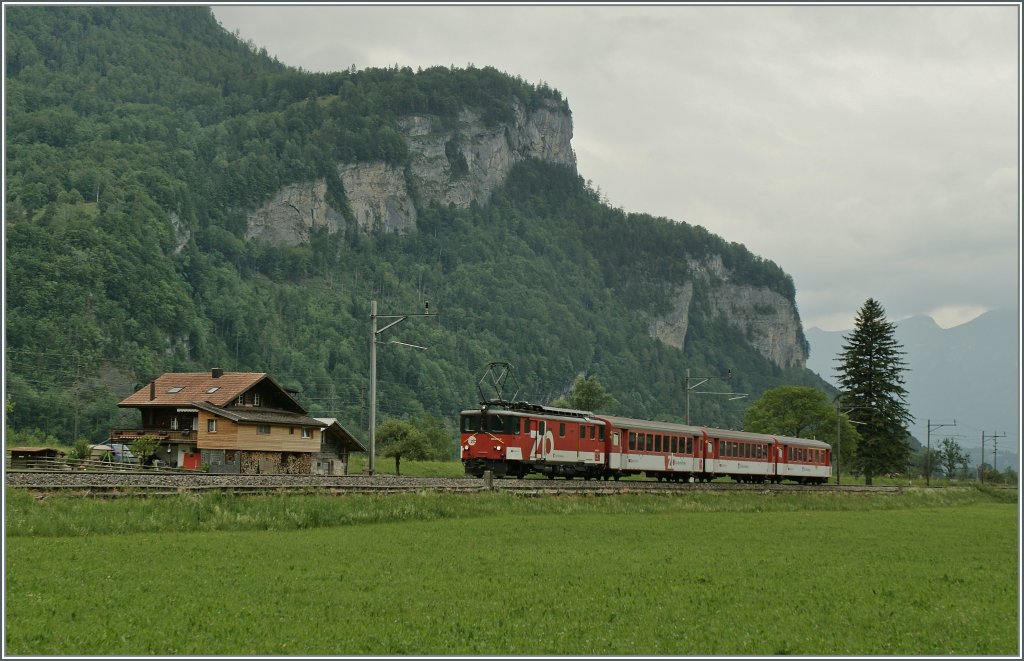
[
  {"x": 587, "y": 394},
  {"x": 799, "y": 411},
  {"x": 925, "y": 462},
  {"x": 951, "y": 457},
  {"x": 144, "y": 446},
  {"x": 80, "y": 449},
  {"x": 400, "y": 438},
  {"x": 870, "y": 371},
  {"x": 436, "y": 436}
]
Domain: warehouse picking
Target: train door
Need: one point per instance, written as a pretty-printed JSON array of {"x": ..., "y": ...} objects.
[
  {"x": 709, "y": 454},
  {"x": 538, "y": 440},
  {"x": 623, "y": 451},
  {"x": 544, "y": 446},
  {"x": 615, "y": 451}
]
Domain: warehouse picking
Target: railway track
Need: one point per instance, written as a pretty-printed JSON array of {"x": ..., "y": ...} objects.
[{"x": 155, "y": 483}]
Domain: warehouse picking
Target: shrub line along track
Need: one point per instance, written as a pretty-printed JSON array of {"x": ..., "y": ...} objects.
[{"x": 153, "y": 483}]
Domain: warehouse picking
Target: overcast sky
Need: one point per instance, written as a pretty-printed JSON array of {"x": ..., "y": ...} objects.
[{"x": 870, "y": 151}]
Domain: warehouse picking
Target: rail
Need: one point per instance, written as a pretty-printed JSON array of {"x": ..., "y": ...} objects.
[{"x": 160, "y": 483}]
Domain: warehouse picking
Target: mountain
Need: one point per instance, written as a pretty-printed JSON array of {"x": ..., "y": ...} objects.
[
  {"x": 968, "y": 373},
  {"x": 178, "y": 200}
]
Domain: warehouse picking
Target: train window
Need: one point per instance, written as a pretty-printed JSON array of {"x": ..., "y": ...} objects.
[
  {"x": 657, "y": 442},
  {"x": 541, "y": 428},
  {"x": 526, "y": 425},
  {"x": 583, "y": 431},
  {"x": 561, "y": 429},
  {"x": 650, "y": 442},
  {"x": 496, "y": 424},
  {"x": 746, "y": 450},
  {"x": 471, "y": 423},
  {"x": 632, "y": 440},
  {"x": 593, "y": 433},
  {"x": 689, "y": 445},
  {"x": 675, "y": 444},
  {"x": 600, "y": 432}
]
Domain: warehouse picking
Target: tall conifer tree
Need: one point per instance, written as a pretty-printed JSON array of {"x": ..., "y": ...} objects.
[{"x": 870, "y": 372}]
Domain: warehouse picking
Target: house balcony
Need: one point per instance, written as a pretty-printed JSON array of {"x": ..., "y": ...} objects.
[{"x": 161, "y": 435}]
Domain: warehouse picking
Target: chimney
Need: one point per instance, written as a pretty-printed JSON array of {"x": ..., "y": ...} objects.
[
  {"x": 152, "y": 390},
  {"x": 216, "y": 372}
]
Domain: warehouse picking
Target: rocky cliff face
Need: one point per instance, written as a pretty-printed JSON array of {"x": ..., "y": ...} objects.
[
  {"x": 450, "y": 166},
  {"x": 767, "y": 319},
  {"x": 465, "y": 164}
]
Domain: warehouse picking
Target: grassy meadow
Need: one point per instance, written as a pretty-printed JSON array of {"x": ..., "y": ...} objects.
[{"x": 926, "y": 572}]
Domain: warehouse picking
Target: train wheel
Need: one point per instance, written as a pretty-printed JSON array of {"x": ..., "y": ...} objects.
[{"x": 616, "y": 477}]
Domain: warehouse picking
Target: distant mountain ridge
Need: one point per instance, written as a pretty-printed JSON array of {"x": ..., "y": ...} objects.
[{"x": 968, "y": 373}]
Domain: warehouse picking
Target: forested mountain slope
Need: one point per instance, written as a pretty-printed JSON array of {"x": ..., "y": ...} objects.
[{"x": 178, "y": 200}]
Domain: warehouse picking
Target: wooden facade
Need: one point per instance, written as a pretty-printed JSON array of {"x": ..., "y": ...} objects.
[{"x": 232, "y": 435}]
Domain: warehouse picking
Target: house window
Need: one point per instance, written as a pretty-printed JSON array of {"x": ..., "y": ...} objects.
[
  {"x": 305, "y": 432},
  {"x": 240, "y": 401},
  {"x": 210, "y": 391},
  {"x": 262, "y": 429},
  {"x": 211, "y": 425},
  {"x": 174, "y": 423},
  {"x": 255, "y": 399},
  {"x": 175, "y": 389}
]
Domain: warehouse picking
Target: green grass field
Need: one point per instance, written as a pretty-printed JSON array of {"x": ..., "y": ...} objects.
[{"x": 923, "y": 573}]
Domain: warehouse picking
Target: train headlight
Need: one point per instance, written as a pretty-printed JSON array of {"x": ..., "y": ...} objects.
[
  {"x": 497, "y": 448},
  {"x": 472, "y": 442}
]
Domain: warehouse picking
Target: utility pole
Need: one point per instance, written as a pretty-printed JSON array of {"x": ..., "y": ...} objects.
[
  {"x": 374, "y": 332},
  {"x": 928, "y": 455},
  {"x": 995, "y": 440}
]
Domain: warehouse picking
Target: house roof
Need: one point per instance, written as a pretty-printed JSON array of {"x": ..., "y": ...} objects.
[
  {"x": 334, "y": 427},
  {"x": 253, "y": 415},
  {"x": 185, "y": 388},
  {"x": 34, "y": 450}
]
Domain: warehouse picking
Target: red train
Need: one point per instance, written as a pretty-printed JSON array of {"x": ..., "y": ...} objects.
[{"x": 518, "y": 438}]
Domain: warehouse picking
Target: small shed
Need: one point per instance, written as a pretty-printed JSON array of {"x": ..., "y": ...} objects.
[
  {"x": 336, "y": 444},
  {"x": 115, "y": 452},
  {"x": 30, "y": 457}
]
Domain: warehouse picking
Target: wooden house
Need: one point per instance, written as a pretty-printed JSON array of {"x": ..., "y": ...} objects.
[{"x": 233, "y": 422}]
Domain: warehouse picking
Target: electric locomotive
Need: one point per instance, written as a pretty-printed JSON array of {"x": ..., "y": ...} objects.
[{"x": 518, "y": 438}]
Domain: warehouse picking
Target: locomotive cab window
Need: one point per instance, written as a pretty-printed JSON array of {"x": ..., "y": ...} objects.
[
  {"x": 470, "y": 423},
  {"x": 498, "y": 424}
]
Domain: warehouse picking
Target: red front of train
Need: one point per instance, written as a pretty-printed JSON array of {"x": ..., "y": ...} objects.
[{"x": 517, "y": 438}]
